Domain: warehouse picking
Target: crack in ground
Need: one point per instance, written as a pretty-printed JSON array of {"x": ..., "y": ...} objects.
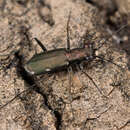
[{"x": 33, "y": 86}]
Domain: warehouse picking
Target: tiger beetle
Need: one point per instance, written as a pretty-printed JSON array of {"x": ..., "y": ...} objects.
[
  {"x": 54, "y": 60},
  {"x": 49, "y": 61}
]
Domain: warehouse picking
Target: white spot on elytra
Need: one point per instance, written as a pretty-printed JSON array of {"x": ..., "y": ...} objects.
[
  {"x": 30, "y": 72},
  {"x": 48, "y": 69}
]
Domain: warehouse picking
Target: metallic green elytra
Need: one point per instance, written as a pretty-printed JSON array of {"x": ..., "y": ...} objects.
[{"x": 46, "y": 61}]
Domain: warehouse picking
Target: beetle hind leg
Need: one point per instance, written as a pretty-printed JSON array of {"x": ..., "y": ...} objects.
[{"x": 40, "y": 44}]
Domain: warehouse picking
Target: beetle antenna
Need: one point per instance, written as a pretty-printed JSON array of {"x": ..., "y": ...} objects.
[{"x": 68, "y": 37}]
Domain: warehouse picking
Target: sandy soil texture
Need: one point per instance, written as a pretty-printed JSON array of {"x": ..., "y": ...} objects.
[{"x": 68, "y": 99}]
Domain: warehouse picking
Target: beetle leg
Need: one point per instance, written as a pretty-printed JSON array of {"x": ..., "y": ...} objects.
[
  {"x": 68, "y": 37},
  {"x": 70, "y": 71},
  {"x": 8, "y": 102},
  {"x": 92, "y": 82},
  {"x": 54, "y": 47},
  {"x": 77, "y": 67},
  {"x": 7, "y": 62},
  {"x": 40, "y": 44}
]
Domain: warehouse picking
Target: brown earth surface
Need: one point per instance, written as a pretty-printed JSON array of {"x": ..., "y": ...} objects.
[{"x": 66, "y": 100}]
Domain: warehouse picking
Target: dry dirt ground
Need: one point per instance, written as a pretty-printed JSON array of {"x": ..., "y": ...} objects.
[{"x": 66, "y": 100}]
